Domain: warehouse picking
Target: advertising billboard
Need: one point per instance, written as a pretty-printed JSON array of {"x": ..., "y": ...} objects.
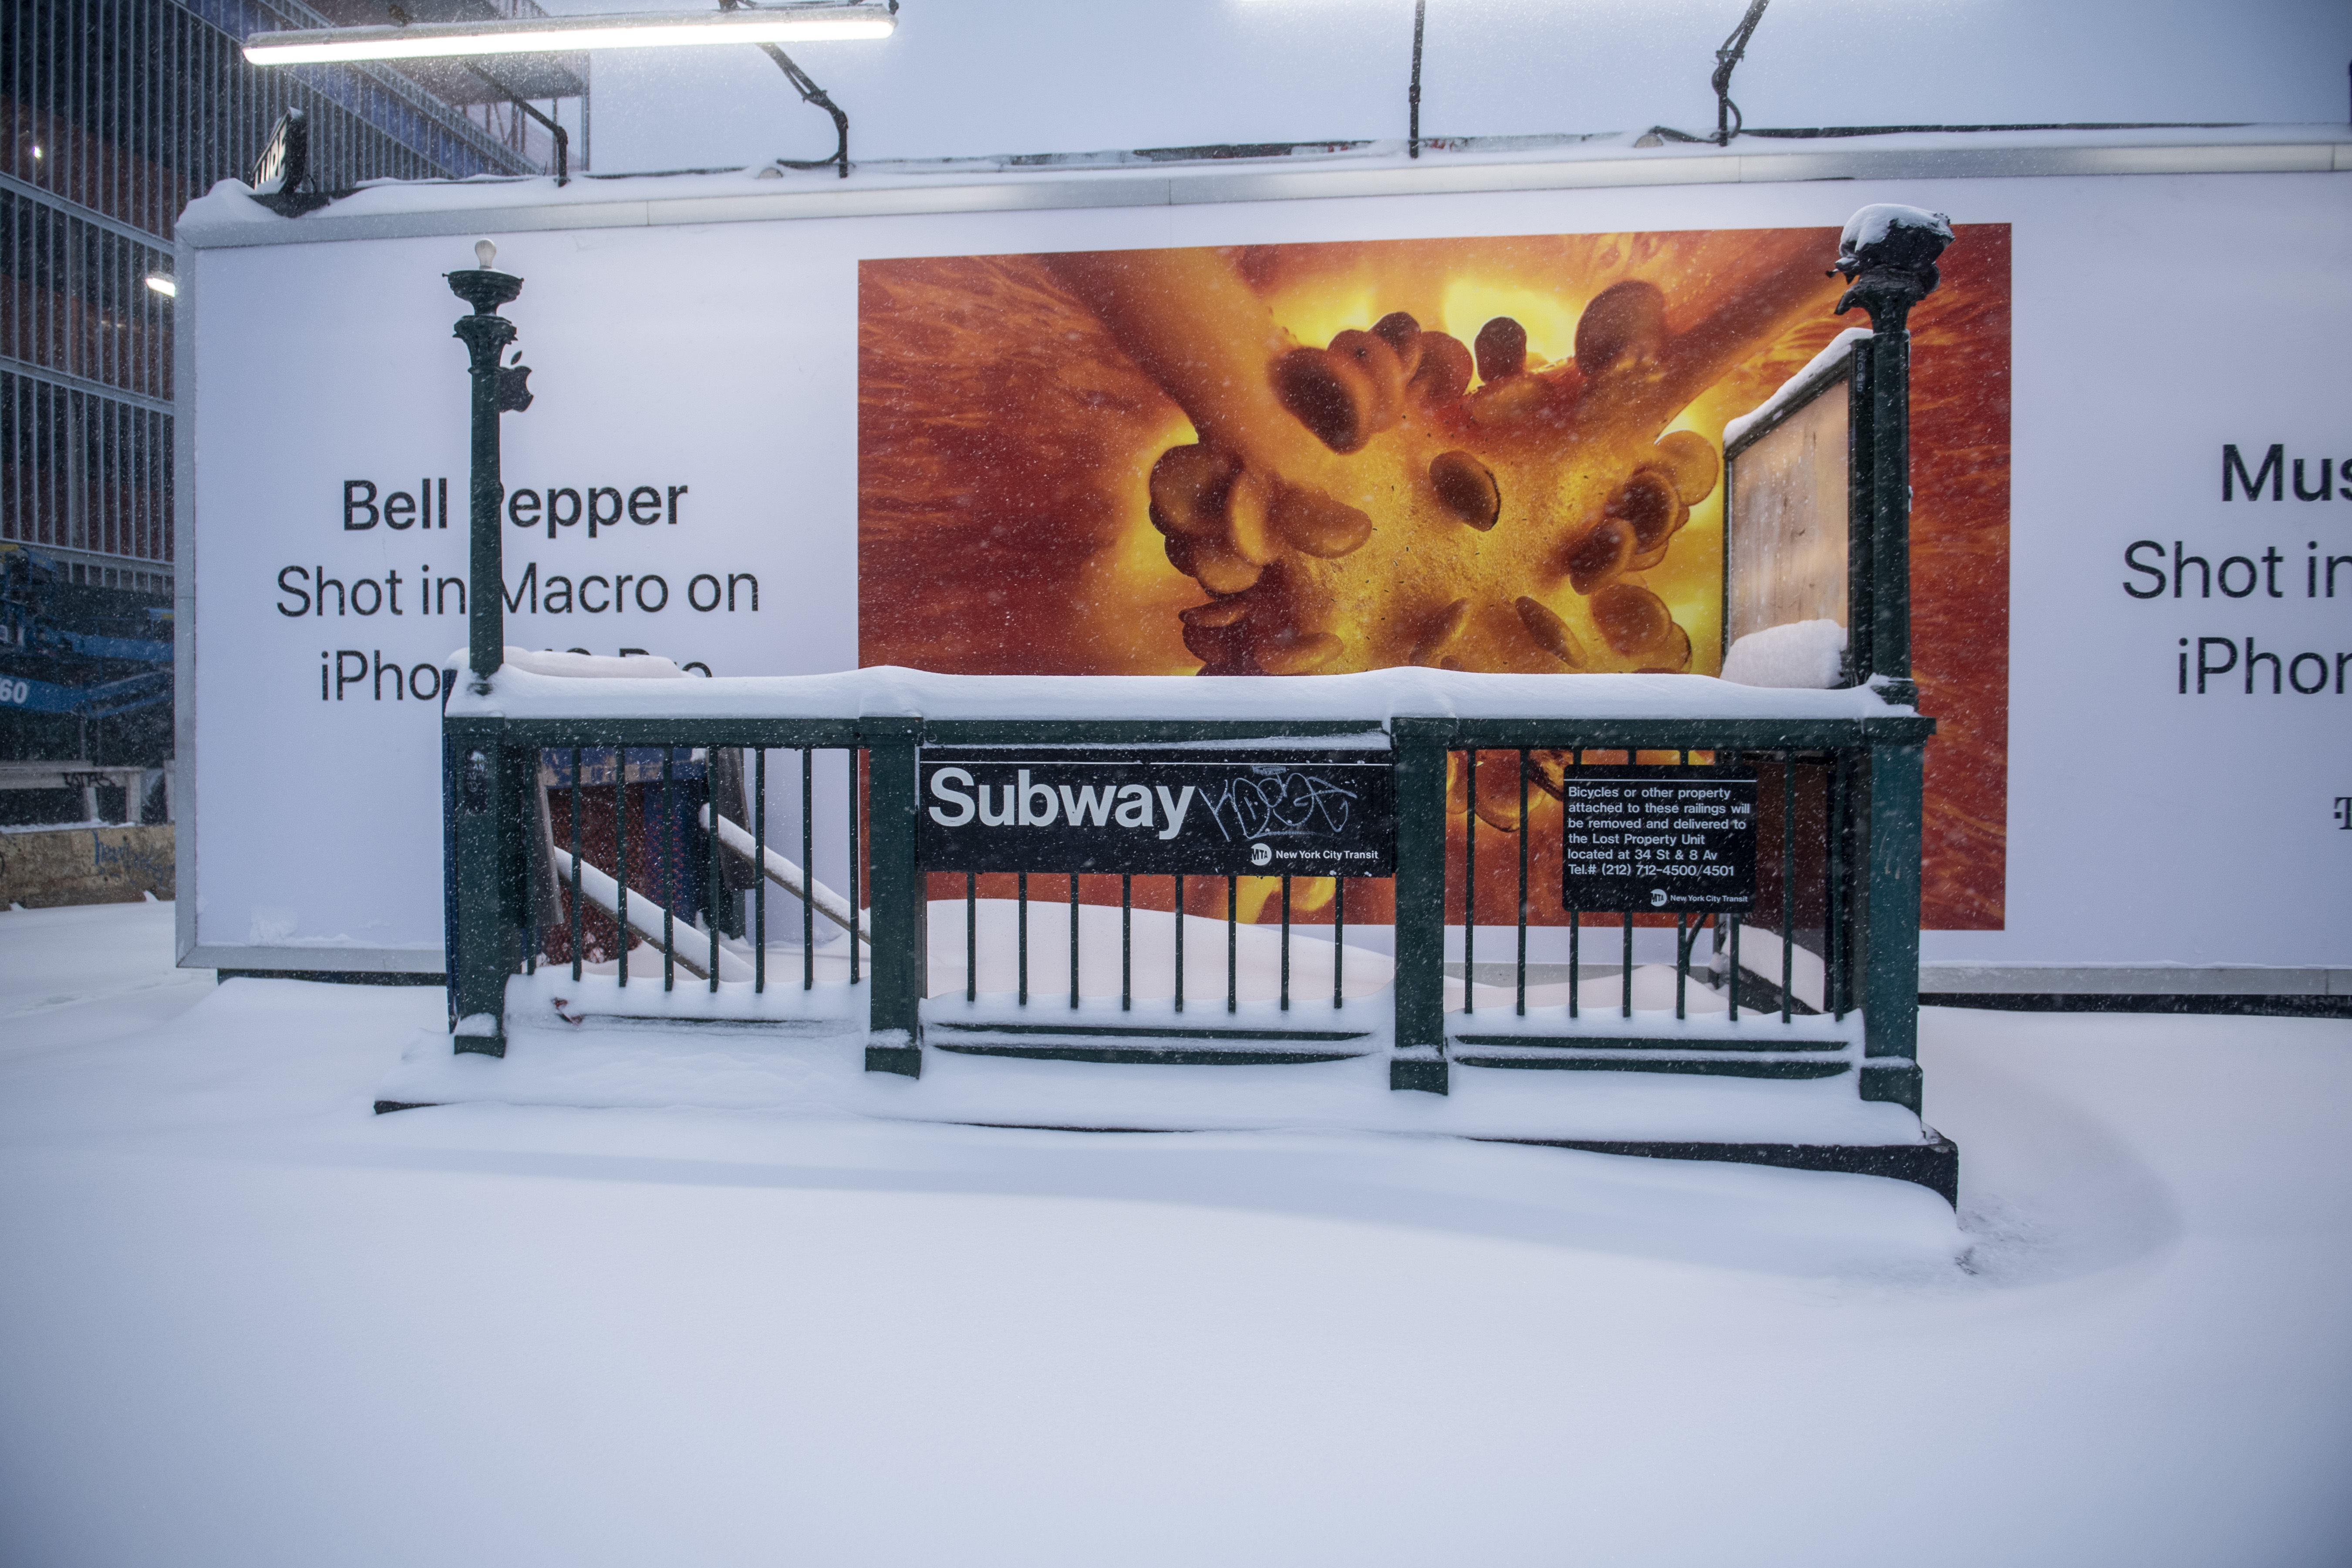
[
  {"x": 1481, "y": 429},
  {"x": 1490, "y": 453}
]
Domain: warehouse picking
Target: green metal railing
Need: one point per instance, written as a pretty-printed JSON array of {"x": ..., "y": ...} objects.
[
  {"x": 512, "y": 878},
  {"x": 522, "y": 869}
]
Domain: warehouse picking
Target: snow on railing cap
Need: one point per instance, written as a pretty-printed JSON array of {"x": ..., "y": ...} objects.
[
  {"x": 1838, "y": 351},
  {"x": 1369, "y": 697},
  {"x": 1871, "y": 225},
  {"x": 1794, "y": 656}
]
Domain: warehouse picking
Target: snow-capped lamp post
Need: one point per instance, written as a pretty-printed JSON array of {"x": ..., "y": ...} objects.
[
  {"x": 496, "y": 390},
  {"x": 1888, "y": 254},
  {"x": 478, "y": 790}
]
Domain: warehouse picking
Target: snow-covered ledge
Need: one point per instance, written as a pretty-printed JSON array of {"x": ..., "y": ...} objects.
[{"x": 540, "y": 686}]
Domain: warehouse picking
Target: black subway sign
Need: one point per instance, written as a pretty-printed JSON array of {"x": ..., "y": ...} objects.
[
  {"x": 1174, "y": 812},
  {"x": 1672, "y": 838}
]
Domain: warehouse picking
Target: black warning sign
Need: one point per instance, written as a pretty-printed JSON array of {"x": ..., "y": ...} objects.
[{"x": 1673, "y": 838}]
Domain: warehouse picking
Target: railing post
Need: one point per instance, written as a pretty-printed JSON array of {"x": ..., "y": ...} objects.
[
  {"x": 901, "y": 965},
  {"x": 481, "y": 929},
  {"x": 1890, "y": 1068},
  {"x": 1420, "y": 1059}
]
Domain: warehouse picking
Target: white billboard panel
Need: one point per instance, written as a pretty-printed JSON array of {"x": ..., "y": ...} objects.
[{"x": 2172, "y": 730}]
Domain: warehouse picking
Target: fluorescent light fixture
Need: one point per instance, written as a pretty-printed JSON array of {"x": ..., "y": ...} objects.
[
  {"x": 546, "y": 34},
  {"x": 162, "y": 283}
]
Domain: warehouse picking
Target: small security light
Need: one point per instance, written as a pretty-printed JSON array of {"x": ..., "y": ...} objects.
[
  {"x": 162, "y": 284},
  {"x": 788, "y": 23}
]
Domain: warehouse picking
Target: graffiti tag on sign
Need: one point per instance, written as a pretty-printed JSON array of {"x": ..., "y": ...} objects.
[{"x": 1180, "y": 811}]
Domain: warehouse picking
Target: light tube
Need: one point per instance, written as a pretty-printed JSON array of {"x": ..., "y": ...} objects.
[{"x": 548, "y": 35}]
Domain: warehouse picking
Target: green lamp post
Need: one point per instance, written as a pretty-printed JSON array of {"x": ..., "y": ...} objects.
[
  {"x": 1887, "y": 253},
  {"x": 497, "y": 390},
  {"x": 485, "y": 838}
]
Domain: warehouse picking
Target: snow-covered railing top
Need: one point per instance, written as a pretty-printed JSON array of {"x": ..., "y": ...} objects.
[
  {"x": 538, "y": 686},
  {"x": 1836, "y": 355},
  {"x": 1860, "y": 848}
]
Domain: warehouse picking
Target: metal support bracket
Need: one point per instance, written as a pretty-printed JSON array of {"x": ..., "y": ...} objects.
[
  {"x": 562, "y": 137},
  {"x": 806, "y": 85}
]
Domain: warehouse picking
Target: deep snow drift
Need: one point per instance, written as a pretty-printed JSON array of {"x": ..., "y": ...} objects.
[
  {"x": 243, "y": 1320},
  {"x": 586, "y": 1043}
]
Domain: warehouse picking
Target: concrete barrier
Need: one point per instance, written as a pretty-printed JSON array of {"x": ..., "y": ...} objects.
[{"x": 44, "y": 868}]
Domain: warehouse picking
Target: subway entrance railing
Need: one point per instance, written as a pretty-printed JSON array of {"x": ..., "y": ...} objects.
[
  {"x": 781, "y": 853},
  {"x": 603, "y": 832}
]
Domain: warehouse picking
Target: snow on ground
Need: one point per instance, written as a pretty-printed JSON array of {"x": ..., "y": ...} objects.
[
  {"x": 243, "y": 1320},
  {"x": 76, "y": 975}
]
